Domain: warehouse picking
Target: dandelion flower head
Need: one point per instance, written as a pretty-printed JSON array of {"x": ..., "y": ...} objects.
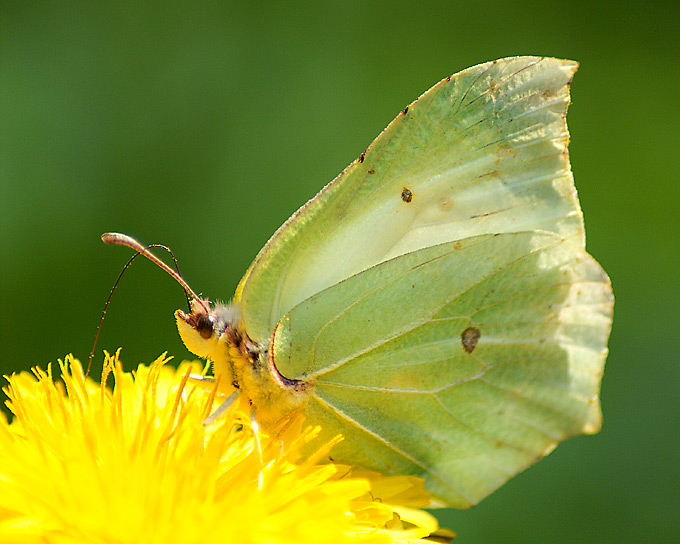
[{"x": 81, "y": 462}]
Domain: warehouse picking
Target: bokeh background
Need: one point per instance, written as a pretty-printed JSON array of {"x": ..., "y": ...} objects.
[{"x": 203, "y": 126}]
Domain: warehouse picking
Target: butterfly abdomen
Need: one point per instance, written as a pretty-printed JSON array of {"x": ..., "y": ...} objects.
[{"x": 271, "y": 395}]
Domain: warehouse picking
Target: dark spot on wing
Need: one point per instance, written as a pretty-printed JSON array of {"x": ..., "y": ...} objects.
[
  {"x": 406, "y": 194},
  {"x": 362, "y": 157},
  {"x": 469, "y": 339},
  {"x": 371, "y": 171},
  {"x": 405, "y": 111}
]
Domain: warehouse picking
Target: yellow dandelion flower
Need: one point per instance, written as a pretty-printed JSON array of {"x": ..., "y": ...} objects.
[{"x": 83, "y": 463}]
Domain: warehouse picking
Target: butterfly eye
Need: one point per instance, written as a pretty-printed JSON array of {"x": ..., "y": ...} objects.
[{"x": 204, "y": 326}]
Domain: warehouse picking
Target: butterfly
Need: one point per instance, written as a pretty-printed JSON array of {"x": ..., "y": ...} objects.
[{"x": 434, "y": 304}]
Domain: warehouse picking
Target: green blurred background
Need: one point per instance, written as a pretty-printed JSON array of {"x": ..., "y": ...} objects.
[{"x": 203, "y": 126}]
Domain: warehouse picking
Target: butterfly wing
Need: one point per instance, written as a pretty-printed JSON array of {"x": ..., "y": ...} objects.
[
  {"x": 483, "y": 151},
  {"x": 461, "y": 363}
]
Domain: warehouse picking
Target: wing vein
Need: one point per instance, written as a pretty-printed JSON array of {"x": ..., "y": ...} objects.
[{"x": 389, "y": 445}]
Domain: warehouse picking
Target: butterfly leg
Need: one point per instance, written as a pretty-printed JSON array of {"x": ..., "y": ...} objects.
[
  {"x": 221, "y": 409},
  {"x": 255, "y": 426},
  {"x": 202, "y": 378}
]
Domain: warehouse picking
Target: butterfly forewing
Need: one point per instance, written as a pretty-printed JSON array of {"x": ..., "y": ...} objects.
[{"x": 482, "y": 152}]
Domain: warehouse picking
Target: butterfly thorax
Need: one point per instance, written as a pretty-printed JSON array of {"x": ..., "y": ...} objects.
[{"x": 239, "y": 363}]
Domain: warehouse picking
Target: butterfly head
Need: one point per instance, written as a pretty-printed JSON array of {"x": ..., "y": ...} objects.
[{"x": 203, "y": 330}]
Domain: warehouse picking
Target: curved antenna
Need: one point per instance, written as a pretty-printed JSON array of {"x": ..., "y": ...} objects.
[
  {"x": 117, "y": 239},
  {"x": 114, "y": 238}
]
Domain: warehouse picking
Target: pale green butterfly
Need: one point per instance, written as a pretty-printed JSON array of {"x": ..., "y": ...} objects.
[{"x": 434, "y": 304}]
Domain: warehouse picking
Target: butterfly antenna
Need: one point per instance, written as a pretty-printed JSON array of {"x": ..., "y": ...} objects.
[{"x": 123, "y": 240}]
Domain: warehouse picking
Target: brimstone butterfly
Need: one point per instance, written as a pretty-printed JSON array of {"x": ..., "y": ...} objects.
[{"x": 434, "y": 304}]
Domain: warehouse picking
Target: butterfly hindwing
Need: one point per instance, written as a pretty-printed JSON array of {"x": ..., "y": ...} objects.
[{"x": 462, "y": 363}]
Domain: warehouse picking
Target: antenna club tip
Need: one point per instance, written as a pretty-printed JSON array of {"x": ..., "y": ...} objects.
[{"x": 118, "y": 239}]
